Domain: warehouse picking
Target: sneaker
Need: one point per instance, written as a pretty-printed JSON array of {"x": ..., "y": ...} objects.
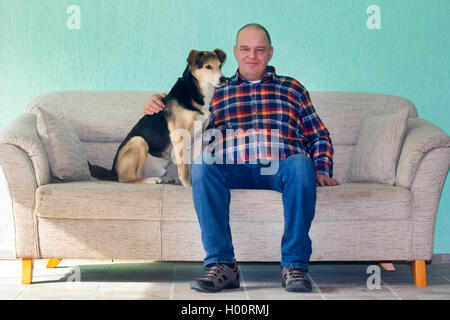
[
  {"x": 295, "y": 280},
  {"x": 219, "y": 276}
]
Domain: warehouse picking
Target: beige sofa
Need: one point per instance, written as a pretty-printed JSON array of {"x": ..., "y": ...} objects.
[{"x": 355, "y": 221}]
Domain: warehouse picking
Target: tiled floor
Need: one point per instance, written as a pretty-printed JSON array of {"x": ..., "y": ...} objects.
[{"x": 90, "y": 279}]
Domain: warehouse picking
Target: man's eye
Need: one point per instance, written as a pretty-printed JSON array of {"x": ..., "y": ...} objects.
[{"x": 208, "y": 66}]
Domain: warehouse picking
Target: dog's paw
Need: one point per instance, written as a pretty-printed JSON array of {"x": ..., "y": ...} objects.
[
  {"x": 186, "y": 183},
  {"x": 166, "y": 180},
  {"x": 154, "y": 180}
]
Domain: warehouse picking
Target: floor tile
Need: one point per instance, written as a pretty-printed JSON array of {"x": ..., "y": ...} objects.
[{"x": 133, "y": 280}]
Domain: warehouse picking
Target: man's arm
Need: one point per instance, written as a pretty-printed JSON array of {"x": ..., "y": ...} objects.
[
  {"x": 154, "y": 104},
  {"x": 319, "y": 144}
]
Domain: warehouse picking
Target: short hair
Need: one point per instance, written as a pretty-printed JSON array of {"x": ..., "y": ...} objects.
[{"x": 256, "y": 26}]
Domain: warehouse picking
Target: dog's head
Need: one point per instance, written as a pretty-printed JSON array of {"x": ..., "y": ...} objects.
[{"x": 205, "y": 66}]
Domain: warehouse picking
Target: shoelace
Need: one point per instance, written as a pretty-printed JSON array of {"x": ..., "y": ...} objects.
[
  {"x": 296, "y": 273},
  {"x": 212, "y": 272}
]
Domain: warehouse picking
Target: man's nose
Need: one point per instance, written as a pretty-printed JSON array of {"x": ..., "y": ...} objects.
[{"x": 253, "y": 53}]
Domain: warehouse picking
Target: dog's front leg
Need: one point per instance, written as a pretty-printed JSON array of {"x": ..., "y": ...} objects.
[
  {"x": 183, "y": 174},
  {"x": 181, "y": 159}
]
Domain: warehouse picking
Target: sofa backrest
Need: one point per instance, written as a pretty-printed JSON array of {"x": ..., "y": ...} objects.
[{"x": 102, "y": 119}]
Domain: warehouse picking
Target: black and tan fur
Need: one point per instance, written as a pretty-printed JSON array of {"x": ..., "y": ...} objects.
[{"x": 146, "y": 152}]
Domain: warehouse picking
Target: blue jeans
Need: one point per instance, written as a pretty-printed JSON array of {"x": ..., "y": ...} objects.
[{"x": 295, "y": 179}]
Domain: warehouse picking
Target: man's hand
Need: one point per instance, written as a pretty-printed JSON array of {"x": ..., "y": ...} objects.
[
  {"x": 323, "y": 180},
  {"x": 154, "y": 104}
]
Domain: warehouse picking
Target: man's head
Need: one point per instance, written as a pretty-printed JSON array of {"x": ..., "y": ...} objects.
[{"x": 253, "y": 50}]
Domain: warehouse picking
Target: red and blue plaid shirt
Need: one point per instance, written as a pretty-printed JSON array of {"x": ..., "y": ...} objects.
[{"x": 257, "y": 113}]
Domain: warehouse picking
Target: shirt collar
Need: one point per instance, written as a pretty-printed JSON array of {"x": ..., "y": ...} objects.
[{"x": 270, "y": 76}]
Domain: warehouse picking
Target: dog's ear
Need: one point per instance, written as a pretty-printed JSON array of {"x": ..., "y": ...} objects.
[
  {"x": 192, "y": 57},
  {"x": 220, "y": 54},
  {"x": 196, "y": 58}
]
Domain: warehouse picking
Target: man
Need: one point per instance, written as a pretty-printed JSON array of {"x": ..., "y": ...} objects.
[{"x": 258, "y": 99}]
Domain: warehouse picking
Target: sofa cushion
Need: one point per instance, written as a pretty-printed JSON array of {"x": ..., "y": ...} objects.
[
  {"x": 68, "y": 161},
  {"x": 112, "y": 200},
  {"x": 379, "y": 144},
  {"x": 99, "y": 200},
  {"x": 347, "y": 201}
]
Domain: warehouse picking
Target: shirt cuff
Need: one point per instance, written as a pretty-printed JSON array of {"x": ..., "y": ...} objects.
[{"x": 322, "y": 168}]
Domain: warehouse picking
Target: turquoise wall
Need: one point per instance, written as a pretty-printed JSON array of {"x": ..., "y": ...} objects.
[{"x": 142, "y": 45}]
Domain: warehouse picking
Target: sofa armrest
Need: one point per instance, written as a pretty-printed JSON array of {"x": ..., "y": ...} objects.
[
  {"x": 24, "y": 167},
  {"x": 426, "y": 190},
  {"x": 22, "y": 133},
  {"x": 422, "y": 168},
  {"x": 18, "y": 192},
  {"x": 421, "y": 137}
]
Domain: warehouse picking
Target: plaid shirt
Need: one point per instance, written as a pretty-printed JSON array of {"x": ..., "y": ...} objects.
[{"x": 276, "y": 118}]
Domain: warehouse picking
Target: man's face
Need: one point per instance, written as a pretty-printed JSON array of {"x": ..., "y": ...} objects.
[{"x": 252, "y": 52}]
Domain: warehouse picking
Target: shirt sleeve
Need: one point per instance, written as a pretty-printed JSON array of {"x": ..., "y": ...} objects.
[{"x": 318, "y": 142}]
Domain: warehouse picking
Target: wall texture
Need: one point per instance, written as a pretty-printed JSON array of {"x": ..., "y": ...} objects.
[{"x": 327, "y": 45}]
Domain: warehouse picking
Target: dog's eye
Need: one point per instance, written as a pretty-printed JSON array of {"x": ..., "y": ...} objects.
[{"x": 208, "y": 66}]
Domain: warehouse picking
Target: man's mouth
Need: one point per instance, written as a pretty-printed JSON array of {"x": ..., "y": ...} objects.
[{"x": 252, "y": 65}]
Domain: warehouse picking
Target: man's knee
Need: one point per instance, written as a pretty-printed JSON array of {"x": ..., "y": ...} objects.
[{"x": 301, "y": 166}]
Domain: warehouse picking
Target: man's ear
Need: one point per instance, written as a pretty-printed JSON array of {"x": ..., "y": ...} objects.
[
  {"x": 220, "y": 54},
  {"x": 192, "y": 57}
]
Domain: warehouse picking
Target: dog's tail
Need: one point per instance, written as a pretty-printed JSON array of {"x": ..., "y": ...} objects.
[{"x": 102, "y": 173}]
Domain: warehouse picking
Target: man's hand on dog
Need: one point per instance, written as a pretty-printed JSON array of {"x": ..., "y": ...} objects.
[
  {"x": 154, "y": 104},
  {"x": 323, "y": 180}
]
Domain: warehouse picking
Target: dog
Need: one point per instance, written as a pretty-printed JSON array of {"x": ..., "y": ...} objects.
[{"x": 146, "y": 152}]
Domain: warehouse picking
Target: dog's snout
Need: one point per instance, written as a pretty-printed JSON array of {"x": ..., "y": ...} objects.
[{"x": 223, "y": 79}]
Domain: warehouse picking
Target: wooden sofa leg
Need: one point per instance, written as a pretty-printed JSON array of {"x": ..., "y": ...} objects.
[
  {"x": 419, "y": 273},
  {"x": 52, "y": 263},
  {"x": 27, "y": 270},
  {"x": 387, "y": 266}
]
